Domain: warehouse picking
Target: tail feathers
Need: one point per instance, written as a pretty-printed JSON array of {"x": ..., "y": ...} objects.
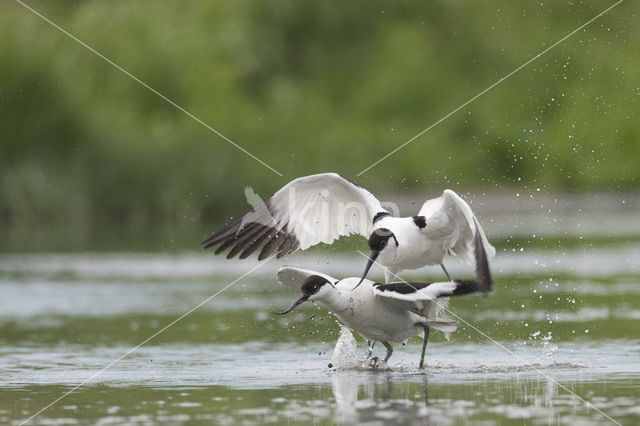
[
  {"x": 465, "y": 287},
  {"x": 446, "y": 326},
  {"x": 483, "y": 274}
]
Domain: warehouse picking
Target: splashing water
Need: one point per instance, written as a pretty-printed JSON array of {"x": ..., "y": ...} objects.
[
  {"x": 375, "y": 364},
  {"x": 548, "y": 346},
  {"x": 344, "y": 355}
]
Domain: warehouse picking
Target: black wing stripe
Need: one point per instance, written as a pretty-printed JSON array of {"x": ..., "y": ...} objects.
[
  {"x": 402, "y": 288},
  {"x": 252, "y": 237},
  {"x": 284, "y": 246},
  {"x": 462, "y": 287},
  {"x": 222, "y": 234},
  {"x": 225, "y": 245},
  {"x": 289, "y": 246},
  {"x": 273, "y": 243},
  {"x": 247, "y": 240},
  {"x": 235, "y": 238},
  {"x": 258, "y": 242},
  {"x": 246, "y": 234},
  {"x": 294, "y": 246}
]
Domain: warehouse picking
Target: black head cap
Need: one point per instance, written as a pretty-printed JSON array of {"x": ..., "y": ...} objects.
[
  {"x": 313, "y": 284},
  {"x": 380, "y": 238}
]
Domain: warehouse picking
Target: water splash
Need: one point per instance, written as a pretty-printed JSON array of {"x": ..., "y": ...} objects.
[
  {"x": 375, "y": 364},
  {"x": 344, "y": 355},
  {"x": 549, "y": 348},
  {"x": 547, "y": 344}
]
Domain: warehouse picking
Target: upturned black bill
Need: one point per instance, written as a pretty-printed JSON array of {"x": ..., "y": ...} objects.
[{"x": 297, "y": 302}]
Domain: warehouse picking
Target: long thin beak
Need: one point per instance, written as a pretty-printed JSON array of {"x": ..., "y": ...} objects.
[
  {"x": 372, "y": 258},
  {"x": 297, "y": 302}
]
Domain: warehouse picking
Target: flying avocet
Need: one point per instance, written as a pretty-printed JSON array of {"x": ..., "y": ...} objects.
[{"x": 321, "y": 208}]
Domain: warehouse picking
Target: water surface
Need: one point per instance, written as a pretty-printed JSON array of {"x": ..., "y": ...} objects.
[{"x": 558, "y": 337}]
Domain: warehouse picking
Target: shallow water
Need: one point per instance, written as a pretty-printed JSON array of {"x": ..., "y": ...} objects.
[{"x": 556, "y": 343}]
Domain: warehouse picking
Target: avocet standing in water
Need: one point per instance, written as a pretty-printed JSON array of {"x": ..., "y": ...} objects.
[
  {"x": 387, "y": 312},
  {"x": 321, "y": 208}
]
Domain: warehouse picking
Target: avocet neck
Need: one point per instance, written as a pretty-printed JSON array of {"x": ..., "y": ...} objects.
[{"x": 414, "y": 249}]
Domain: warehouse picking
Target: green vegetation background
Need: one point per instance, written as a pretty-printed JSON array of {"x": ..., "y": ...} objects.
[{"x": 89, "y": 159}]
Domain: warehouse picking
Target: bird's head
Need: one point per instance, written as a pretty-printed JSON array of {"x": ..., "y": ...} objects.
[
  {"x": 381, "y": 241},
  {"x": 314, "y": 288}
]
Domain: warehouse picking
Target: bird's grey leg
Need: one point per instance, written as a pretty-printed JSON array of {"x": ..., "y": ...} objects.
[
  {"x": 371, "y": 343},
  {"x": 389, "y": 351},
  {"x": 445, "y": 271},
  {"x": 424, "y": 344}
]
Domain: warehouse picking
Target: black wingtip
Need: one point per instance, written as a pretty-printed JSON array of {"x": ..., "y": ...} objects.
[
  {"x": 483, "y": 273},
  {"x": 209, "y": 242}
]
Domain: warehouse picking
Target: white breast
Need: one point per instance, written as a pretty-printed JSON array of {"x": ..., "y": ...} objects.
[
  {"x": 364, "y": 312},
  {"x": 414, "y": 250}
]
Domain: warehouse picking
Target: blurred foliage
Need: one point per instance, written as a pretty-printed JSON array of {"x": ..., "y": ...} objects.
[{"x": 91, "y": 159}]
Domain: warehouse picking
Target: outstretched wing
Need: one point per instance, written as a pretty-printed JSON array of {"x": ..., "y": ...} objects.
[
  {"x": 293, "y": 277},
  {"x": 307, "y": 211},
  {"x": 420, "y": 297},
  {"x": 450, "y": 219},
  {"x": 424, "y": 299},
  {"x": 412, "y": 292}
]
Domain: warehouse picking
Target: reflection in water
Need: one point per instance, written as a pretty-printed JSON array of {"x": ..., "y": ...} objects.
[
  {"x": 345, "y": 392},
  {"x": 368, "y": 397},
  {"x": 351, "y": 398},
  {"x": 383, "y": 397}
]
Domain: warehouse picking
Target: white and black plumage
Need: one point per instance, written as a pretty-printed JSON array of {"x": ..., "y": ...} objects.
[
  {"x": 321, "y": 208},
  {"x": 387, "y": 312}
]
